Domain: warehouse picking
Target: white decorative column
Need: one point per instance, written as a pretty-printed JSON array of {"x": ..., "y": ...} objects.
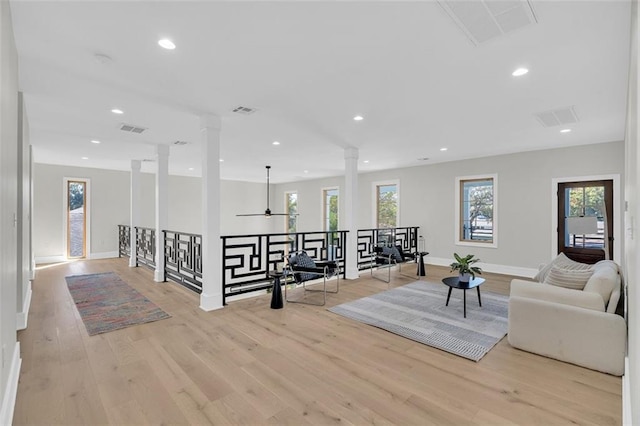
[
  {"x": 211, "y": 296},
  {"x": 351, "y": 210},
  {"x": 134, "y": 212},
  {"x": 162, "y": 207}
]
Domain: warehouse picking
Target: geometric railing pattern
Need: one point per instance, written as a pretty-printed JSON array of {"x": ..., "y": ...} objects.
[
  {"x": 406, "y": 237},
  {"x": 183, "y": 259},
  {"x": 146, "y": 246},
  {"x": 248, "y": 259},
  {"x": 124, "y": 240}
]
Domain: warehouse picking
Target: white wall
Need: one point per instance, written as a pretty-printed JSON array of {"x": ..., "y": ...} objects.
[
  {"x": 10, "y": 353},
  {"x": 427, "y": 200},
  {"x": 24, "y": 209},
  {"x": 109, "y": 200},
  {"x": 631, "y": 380}
]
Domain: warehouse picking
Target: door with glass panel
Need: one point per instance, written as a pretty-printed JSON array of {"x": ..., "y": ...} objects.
[
  {"x": 76, "y": 219},
  {"x": 585, "y": 220}
]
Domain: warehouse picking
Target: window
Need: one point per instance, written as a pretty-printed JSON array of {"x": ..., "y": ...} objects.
[
  {"x": 386, "y": 208},
  {"x": 77, "y": 215},
  {"x": 476, "y": 211},
  {"x": 291, "y": 207},
  {"x": 330, "y": 209}
]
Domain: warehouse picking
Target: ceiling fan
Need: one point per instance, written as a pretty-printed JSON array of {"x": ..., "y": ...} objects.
[{"x": 267, "y": 212}]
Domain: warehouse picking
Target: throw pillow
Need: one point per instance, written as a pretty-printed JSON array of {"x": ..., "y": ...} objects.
[
  {"x": 563, "y": 261},
  {"x": 603, "y": 281},
  {"x": 302, "y": 259},
  {"x": 393, "y": 251},
  {"x": 574, "y": 279}
]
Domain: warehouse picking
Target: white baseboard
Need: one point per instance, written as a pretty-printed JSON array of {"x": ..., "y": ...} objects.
[
  {"x": 488, "y": 267},
  {"x": 50, "y": 259},
  {"x": 11, "y": 391},
  {"x": 21, "y": 320},
  {"x": 61, "y": 258},
  {"x": 104, "y": 255},
  {"x": 626, "y": 396}
]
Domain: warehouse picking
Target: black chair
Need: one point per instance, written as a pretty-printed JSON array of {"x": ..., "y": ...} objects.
[
  {"x": 302, "y": 269},
  {"x": 386, "y": 256}
]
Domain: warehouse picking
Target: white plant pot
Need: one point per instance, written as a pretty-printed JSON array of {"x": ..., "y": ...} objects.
[{"x": 464, "y": 278}]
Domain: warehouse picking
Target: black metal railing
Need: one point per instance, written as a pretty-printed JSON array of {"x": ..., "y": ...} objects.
[
  {"x": 406, "y": 237},
  {"x": 124, "y": 240},
  {"x": 183, "y": 259},
  {"x": 248, "y": 259},
  {"x": 145, "y": 246}
]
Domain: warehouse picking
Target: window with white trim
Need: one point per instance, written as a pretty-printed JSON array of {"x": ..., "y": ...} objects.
[
  {"x": 476, "y": 212},
  {"x": 330, "y": 209},
  {"x": 386, "y": 204},
  {"x": 291, "y": 207}
]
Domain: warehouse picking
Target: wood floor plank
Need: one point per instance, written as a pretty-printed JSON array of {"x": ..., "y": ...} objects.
[{"x": 249, "y": 364}]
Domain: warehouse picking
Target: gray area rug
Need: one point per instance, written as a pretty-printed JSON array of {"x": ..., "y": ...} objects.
[{"x": 417, "y": 311}]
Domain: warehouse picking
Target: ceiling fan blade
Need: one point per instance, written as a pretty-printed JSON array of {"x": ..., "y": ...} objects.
[{"x": 267, "y": 215}]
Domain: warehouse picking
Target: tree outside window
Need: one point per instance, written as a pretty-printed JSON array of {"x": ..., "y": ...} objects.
[
  {"x": 330, "y": 197},
  {"x": 292, "y": 211},
  {"x": 387, "y": 206},
  {"x": 476, "y": 210}
]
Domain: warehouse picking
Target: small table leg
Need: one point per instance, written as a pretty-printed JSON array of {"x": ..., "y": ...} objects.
[
  {"x": 464, "y": 298},
  {"x": 448, "y": 296},
  {"x": 421, "y": 271},
  {"x": 276, "y": 294},
  {"x": 479, "y": 300}
]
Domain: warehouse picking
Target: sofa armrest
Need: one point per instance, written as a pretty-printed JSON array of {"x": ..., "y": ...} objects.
[
  {"x": 560, "y": 295},
  {"x": 592, "y": 339}
]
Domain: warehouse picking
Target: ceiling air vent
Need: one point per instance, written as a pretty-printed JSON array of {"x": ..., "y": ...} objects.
[
  {"x": 180, "y": 143},
  {"x": 131, "y": 128},
  {"x": 557, "y": 117},
  {"x": 244, "y": 110},
  {"x": 482, "y": 20}
]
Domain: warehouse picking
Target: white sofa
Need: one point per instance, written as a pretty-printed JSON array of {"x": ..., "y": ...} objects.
[{"x": 576, "y": 326}]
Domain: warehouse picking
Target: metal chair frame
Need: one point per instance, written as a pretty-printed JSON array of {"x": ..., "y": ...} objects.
[
  {"x": 388, "y": 261},
  {"x": 323, "y": 269}
]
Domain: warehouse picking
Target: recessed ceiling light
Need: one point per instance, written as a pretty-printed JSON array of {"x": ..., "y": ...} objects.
[
  {"x": 166, "y": 43},
  {"x": 366, "y": 161},
  {"x": 221, "y": 160},
  {"x": 85, "y": 158},
  {"x": 358, "y": 118},
  {"x": 443, "y": 149},
  {"x": 276, "y": 143},
  {"x": 519, "y": 72},
  {"x": 190, "y": 168},
  {"x": 117, "y": 111},
  {"x": 565, "y": 130},
  {"x": 95, "y": 141},
  {"x": 306, "y": 171}
]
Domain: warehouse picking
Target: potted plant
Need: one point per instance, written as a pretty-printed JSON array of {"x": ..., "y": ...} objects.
[{"x": 464, "y": 267}]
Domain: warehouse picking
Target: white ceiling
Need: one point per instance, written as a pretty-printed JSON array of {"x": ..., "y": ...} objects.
[{"x": 308, "y": 68}]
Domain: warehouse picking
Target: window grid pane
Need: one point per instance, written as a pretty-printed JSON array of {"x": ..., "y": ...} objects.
[
  {"x": 585, "y": 201},
  {"x": 476, "y": 210}
]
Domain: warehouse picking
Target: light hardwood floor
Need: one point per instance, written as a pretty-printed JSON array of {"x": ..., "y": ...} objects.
[{"x": 249, "y": 364}]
